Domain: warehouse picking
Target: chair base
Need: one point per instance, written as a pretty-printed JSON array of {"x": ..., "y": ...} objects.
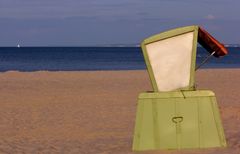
[{"x": 178, "y": 120}]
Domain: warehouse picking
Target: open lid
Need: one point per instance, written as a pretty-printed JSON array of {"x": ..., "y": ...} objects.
[
  {"x": 170, "y": 57},
  {"x": 210, "y": 43}
]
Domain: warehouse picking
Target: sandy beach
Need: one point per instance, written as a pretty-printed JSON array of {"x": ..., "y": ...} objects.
[{"x": 94, "y": 112}]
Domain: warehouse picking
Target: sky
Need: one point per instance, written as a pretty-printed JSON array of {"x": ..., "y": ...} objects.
[{"x": 111, "y": 22}]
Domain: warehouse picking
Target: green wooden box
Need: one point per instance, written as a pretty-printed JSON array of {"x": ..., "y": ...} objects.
[{"x": 178, "y": 120}]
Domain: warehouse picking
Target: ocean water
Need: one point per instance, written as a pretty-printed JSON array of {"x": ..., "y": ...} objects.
[{"x": 93, "y": 58}]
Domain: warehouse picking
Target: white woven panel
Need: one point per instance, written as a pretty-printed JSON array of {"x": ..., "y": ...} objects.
[{"x": 171, "y": 61}]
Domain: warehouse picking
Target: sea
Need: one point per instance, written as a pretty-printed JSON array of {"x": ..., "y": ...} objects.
[{"x": 28, "y": 59}]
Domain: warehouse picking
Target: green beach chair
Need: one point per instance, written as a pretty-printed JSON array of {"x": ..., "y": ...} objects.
[{"x": 176, "y": 115}]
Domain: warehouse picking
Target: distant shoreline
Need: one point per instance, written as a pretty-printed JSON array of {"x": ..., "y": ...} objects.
[{"x": 28, "y": 59}]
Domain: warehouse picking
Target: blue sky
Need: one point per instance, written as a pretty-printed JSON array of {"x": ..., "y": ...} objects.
[{"x": 103, "y": 22}]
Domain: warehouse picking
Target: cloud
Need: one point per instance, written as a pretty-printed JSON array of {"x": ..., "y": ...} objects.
[{"x": 210, "y": 17}]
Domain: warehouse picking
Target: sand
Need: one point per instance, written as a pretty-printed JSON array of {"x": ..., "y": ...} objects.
[{"x": 94, "y": 112}]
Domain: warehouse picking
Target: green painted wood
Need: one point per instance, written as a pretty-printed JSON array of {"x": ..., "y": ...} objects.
[
  {"x": 166, "y": 111},
  {"x": 174, "y": 121},
  {"x": 174, "y": 94},
  {"x": 146, "y": 132},
  {"x": 149, "y": 67},
  {"x": 194, "y": 55},
  {"x": 218, "y": 121},
  {"x": 188, "y": 109},
  {"x": 170, "y": 33}
]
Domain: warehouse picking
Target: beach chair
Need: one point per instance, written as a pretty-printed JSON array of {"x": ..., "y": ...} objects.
[{"x": 176, "y": 115}]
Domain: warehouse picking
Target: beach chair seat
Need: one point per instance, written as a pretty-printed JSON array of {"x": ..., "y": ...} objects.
[
  {"x": 178, "y": 120},
  {"x": 176, "y": 115}
]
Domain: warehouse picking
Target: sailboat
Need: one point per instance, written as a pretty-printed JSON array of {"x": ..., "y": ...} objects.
[{"x": 18, "y": 46}]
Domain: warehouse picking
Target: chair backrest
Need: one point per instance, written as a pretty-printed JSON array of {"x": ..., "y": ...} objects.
[{"x": 170, "y": 58}]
